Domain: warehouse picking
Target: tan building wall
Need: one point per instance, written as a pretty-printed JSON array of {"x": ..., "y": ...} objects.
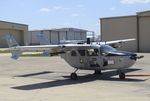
[
  {"x": 55, "y": 35},
  {"x": 19, "y": 31},
  {"x": 144, "y": 31},
  {"x": 120, "y": 28},
  {"x": 137, "y": 26}
]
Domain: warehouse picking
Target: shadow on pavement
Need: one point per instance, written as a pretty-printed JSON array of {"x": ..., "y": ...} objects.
[
  {"x": 81, "y": 79},
  {"x": 34, "y": 74}
]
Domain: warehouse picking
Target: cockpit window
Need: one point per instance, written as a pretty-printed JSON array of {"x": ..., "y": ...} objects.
[{"x": 105, "y": 49}]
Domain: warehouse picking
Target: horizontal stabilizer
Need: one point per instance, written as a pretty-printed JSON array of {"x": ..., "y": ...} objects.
[
  {"x": 46, "y": 54},
  {"x": 16, "y": 54}
]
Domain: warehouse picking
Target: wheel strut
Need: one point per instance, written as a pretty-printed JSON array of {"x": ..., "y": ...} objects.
[
  {"x": 121, "y": 75},
  {"x": 73, "y": 75}
]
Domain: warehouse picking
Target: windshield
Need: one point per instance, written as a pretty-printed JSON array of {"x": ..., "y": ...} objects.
[{"x": 106, "y": 49}]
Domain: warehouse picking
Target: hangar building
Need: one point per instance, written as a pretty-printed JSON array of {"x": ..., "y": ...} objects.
[
  {"x": 55, "y": 35},
  {"x": 133, "y": 26},
  {"x": 19, "y": 31}
]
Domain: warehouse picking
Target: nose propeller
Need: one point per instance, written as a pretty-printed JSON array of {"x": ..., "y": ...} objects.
[
  {"x": 139, "y": 57},
  {"x": 135, "y": 57}
]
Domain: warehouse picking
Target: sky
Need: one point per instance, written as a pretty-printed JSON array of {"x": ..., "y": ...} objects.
[{"x": 84, "y": 14}]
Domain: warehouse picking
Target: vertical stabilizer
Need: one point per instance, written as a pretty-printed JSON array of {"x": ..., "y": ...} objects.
[{"x": 12, "y": 43}]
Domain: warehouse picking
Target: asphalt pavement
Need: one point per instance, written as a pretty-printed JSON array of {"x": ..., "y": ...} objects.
[{"x": 47, "y": 79}]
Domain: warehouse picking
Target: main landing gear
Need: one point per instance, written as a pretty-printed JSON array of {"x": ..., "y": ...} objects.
[
  {"x": 121, "y": 75},
  {"x": 97, "y": 72},
  {"x": 73, "y": 75}
]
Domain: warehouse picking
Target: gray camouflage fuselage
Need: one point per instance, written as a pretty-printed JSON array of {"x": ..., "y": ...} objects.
[{"x": 101, "y": 60}]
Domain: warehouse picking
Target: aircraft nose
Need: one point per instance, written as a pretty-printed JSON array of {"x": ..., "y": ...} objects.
[{"x": 133, "y": 56}]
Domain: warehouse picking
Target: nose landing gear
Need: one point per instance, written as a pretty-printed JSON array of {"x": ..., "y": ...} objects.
[{"x": 121, "y": 75}]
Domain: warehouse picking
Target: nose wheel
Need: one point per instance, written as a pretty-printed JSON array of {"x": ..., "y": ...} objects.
[{"x": 122, "y": 75}]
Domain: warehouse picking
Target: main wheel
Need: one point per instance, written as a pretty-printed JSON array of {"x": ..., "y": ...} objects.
[
  {"x": 122, "y": 75},
  {"x": 73, "y": 76},
  {"x": 97, "y": 72}
]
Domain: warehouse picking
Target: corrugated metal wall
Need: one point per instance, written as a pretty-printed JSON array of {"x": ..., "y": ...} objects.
[{"x": 54, "y": 37}]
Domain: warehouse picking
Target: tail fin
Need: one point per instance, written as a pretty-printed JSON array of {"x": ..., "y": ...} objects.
[
  {"x": 12, "y": 43},
  {"x": 42, "y": 38}
]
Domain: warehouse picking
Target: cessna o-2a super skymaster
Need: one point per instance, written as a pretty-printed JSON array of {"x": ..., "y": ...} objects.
[{"x": 95, "y": 57}]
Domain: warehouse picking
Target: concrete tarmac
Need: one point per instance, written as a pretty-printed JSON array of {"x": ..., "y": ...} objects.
[{"x": 47, "y": 79}]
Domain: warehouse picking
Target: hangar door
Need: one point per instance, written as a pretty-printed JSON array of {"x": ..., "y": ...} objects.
[
  {"x": 17, "y": 34},
  {"x": 144, "y": 34},
  {"x": 54, "y": 37}
]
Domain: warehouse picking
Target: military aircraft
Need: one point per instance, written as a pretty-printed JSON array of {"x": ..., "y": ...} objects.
[{"x": 94, "y": 57}]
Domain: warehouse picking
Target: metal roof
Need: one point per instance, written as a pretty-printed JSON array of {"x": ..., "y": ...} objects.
[
  {"x": 116, "y": 17},
  {"x": 144, "y": 13},
  {"x": 148, "y": 11},
  {"x": 14, "y": 23},
  {"x": 63, "y": 29}
]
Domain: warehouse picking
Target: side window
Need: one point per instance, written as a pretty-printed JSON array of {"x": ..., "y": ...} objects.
[
  {"x": 92, "y": 52},
  {"x": 73, "y": 53},
  {"x": 81, "y": 52}
]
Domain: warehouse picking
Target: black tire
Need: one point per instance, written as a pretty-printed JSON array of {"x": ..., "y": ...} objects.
[
  {"x": 73, "y": 76},
  {"x": 122, "y": 75},
  {"x": 96, "y": 72}
]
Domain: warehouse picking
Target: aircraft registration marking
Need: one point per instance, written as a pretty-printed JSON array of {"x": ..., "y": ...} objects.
[{"x": 111, "y": 62}]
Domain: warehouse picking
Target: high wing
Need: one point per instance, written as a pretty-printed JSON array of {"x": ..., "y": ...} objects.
[
  {"x": 17, "y": 50},
  {"x": 117, "y": 43}
]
